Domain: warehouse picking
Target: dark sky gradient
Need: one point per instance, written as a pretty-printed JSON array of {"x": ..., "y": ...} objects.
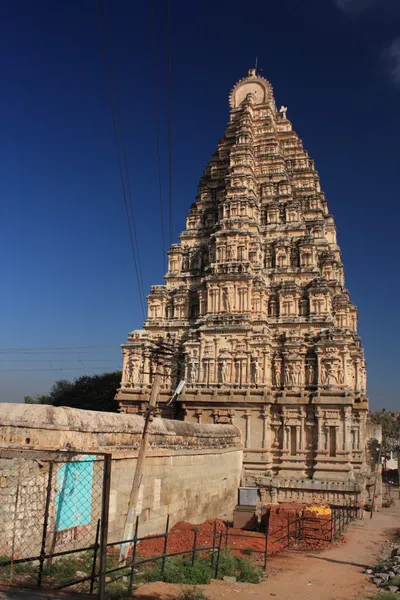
[{"x": 67, "y": 273}]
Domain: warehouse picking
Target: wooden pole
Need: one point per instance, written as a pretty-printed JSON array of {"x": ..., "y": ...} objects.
[
  {"x": 137, "y": 479},
  {"x": 105, "y": 507},
  {"x": 376, "y": 480}
]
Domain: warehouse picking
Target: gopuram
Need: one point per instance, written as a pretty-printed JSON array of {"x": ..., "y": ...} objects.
[{"x": 254, "y": 298}]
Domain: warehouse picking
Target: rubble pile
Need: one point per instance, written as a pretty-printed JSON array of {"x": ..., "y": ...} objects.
[{"x": 386, "y": 574}]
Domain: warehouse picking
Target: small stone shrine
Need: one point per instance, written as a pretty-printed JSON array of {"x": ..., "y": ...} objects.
[{"x": 255, "y": 301}]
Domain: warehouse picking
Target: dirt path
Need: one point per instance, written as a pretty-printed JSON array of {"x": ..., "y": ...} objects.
[{"x": 334, "y": 574}]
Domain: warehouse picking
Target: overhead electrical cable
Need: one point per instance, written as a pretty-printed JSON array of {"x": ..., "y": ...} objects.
[
  {"x": 66, "y": 352},
  {"x": 90, "y": 368},
  {"x": 157, "y": 124},
  {"x": 170, "y": 204},
  {"x": 55, "y": 348},
  {"x": 123, "y": 146},
  {"x": 109, "y": 84},
  {"x": 60, "y": 360}
]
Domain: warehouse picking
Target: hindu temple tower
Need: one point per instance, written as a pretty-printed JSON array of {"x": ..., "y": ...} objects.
[{"x": 255, "y": 299}]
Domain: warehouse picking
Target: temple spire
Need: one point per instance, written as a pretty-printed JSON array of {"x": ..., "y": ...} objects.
[{"x": 255, "y": 298}]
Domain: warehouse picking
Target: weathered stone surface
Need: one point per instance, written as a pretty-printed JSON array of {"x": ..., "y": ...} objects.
[
  {"x": 192, "y": 470},
  {"x": 63, "y": 427},
  {"x": 255, "y": 297}
]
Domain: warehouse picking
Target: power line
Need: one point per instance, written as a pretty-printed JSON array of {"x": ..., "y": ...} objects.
[
  {"x": 121, "y": 125},
  {"x": 109, "y": 84},
  {"x": 171, "y": 235},
  {"x": 51, "y": 348},
  {"x": 56, "y": 369},
  {"x": 63, "y": 360},
  {"x": 155, "y": 86}
]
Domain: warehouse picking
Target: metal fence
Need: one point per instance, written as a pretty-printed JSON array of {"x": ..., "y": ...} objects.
[
  {"x": 301, "y": 528},
  {"x": 53, "y": 519}
]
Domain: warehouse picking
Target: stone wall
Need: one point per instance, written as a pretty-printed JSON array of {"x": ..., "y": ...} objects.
[{"x": 192, "y": 471}]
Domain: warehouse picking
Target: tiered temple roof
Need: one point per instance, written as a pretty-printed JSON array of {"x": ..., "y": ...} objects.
[{"x": 254, "y": 298}]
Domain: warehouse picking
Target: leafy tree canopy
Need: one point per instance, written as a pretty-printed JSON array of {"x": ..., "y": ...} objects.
[
  {"x": 90, "y": 392},
  {"x": 390, "y": 429}
]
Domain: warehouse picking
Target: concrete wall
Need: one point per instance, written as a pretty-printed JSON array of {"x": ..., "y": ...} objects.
[{"x": 192, "y": 470}]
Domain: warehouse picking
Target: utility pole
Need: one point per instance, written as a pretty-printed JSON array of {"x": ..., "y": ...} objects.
[
  {"x": 141, "y": 459},
  {"x": 377, "y": 472}
]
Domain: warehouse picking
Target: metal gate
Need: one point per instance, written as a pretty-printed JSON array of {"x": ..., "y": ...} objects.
[{"x": 54, "y": 519}]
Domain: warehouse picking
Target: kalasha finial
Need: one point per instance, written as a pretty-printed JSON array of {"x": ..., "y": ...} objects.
[{"x": 252, "y": 73}]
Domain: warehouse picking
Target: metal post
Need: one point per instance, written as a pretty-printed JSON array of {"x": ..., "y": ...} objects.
[
  {"x": 135, "y": 538},
  {"x": 226, "y": 535},
  {"x": 141, "y": 459},
  {"x": 45, "y": 526},
  {"x": 218, "y": 555},
  {"x": 194, "y": 547},
  {"x": 95, "y": 550},
  {"x": 104, "y": 525},
  {"x": 266, "y": 540},
  {"x": 15, "y": 519},
  {"x": 165, "y": 547},
  {"x": 213, "y": 545},
  {"x": 376, "y": 479}
]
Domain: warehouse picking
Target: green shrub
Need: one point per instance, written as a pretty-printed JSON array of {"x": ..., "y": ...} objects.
[
  {"x": 227, "y": 564},
  {"x": 193, "y": 593},
  {"x": 248, "y": 571},
  {"x": 243, "y": 568},
  {"x": 62, "y": 568},
  {"x": 182, "y": 571},
  {"x": 395, "y": 580},
  {"x": 382, "y": 566},
  {"x": 117, "y": 590},
  {"x": 385, "y": 596}
]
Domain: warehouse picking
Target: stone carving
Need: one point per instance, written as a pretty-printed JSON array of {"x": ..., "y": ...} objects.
[
  {"x": 225, "y": 300},
  {"x": 310, "y": 373},
  {"x": 277, "y": 372},
  {"x": 298, "y": 374},
  {"x": 255, "y": 287},
  {"x": 255, "y": 370},
  {"x": 131, "y": 370},
  {"x": 283, "y": 110},
  {"x": 331, "y": 373},
  {"x": 193, "y": 371},
  {"x": 223, "y": 371},
  {"x": 290, "y": 374}
]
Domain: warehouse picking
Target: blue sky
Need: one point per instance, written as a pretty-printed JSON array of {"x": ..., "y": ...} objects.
[{"x": 67, "y": 273}]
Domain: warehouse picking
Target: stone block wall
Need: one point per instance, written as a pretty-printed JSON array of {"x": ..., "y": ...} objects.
[
  {"x": 74, "y": 491},
  {"x": 192, "y": 470},
  {"x": 22, "y": 501}
]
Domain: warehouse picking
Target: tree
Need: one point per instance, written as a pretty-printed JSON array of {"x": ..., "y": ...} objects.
[
  {"x": 90, "y": 392},
  {"x": 390, "y": 433},
  {"x": 390, "y": 429},
  {"x": 40, "y": 399}
]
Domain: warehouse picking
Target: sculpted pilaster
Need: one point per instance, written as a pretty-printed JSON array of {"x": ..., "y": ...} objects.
[{"x": 347, "y": 428}]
